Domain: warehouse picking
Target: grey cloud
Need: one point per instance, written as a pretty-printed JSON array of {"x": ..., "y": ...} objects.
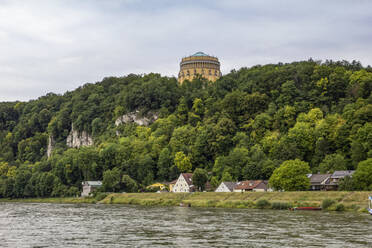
[{"x": 55, "y": 46}]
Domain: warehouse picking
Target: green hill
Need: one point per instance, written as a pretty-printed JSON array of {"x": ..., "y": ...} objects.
[{"x": 243, "y": 126}]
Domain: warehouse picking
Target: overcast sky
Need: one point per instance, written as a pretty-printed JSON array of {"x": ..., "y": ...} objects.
[{"x": 55, "y": 46}]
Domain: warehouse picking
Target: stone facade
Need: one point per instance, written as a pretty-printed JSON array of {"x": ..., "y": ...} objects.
[{"x": 199, "y": 64}]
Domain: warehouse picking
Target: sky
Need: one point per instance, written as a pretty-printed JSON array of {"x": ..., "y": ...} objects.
[{"x": 57, "y": 46}]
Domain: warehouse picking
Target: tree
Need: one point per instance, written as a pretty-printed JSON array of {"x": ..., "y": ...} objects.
[
  {"x": 182, "y": 162},
  {"x": 112, "y": 180},
  {"x": 165, "y": 162},
  {"x": 347, "y": 184},
  {"x": 332, "y": 163},
  {"x": 199, "y": 178},
  {"x": 363, "y": 175},
  {"x": 129, "y": 184},
  {"x": 291, "y": 176}
]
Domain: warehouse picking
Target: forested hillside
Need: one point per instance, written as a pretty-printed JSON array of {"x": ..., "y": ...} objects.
[{"x": 243, "y": 126}]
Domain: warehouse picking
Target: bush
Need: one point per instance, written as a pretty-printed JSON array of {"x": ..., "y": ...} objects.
[
  {"x": 262, "y": 203},
  {"x": 100, "y": 196},
  {"x": 340, "y": 207},
  {"x": 327, "y": 203},
  {"x": 280, "y": 205}
]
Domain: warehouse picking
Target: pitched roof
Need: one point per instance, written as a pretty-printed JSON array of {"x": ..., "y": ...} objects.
[
  {"x": 188, "y": 178},
  {"x": 92, "y": 183},
  {"x": 318, "y": 178},
  {"x": 250, "y": 184},
  {"x": 173, "y": 182},
  {"x": 230, "y": 185},
  {"x": 342, "y": 174}
]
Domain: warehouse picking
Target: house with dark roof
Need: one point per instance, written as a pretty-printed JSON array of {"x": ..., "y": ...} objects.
[
  {"x": 226, "y": 187},
  {"x": 184, "y": 183},
  {"x": 252, "y": 185},
  {"x": 319, "y": 181},
  {"x": 336, "y": 177}
]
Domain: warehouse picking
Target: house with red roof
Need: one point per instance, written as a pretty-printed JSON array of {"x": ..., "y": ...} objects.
[{"x": 252, "y": 185}]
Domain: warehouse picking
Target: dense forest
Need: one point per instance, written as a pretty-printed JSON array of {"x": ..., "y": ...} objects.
[{"x": 243, "y": 126}]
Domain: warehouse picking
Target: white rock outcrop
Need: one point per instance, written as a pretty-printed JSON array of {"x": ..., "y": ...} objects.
[
  {"x": 134, "y": 117},
  {"x": 77, "y": 139},
  {"x": 50, "y": 147}
]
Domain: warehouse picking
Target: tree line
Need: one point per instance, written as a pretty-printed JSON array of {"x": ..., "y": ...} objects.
[{"x": 245, "y": 125}]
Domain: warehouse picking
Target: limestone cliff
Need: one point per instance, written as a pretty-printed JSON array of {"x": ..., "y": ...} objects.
[
  {"x": 134, "y": 117},
  {"x": 51, "y": 144},
  {"x": 77, "y": 139}
]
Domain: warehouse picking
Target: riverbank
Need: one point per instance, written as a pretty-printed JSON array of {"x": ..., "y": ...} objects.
[
  {"x": 331, "y": 200},
  {"x": 335, "y": 200}
]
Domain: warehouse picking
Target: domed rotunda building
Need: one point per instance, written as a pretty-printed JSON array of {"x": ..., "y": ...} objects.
[{"x": 199, "y": 64}]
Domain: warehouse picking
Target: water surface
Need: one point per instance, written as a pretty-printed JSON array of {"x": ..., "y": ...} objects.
[{"x": 84, "y": 225}]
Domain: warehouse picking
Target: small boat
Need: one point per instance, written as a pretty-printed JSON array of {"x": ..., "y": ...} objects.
[
  {"x": 370, "y": 205},
  {"x": 305, "y": 208}
]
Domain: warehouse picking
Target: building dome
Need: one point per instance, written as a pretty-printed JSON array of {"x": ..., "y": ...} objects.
[{"x": 199, "y": 64}]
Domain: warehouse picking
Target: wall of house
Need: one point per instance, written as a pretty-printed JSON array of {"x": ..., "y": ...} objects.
[
  {"x": 181, "y": 185},
  {"x": 222, "y": 188},
  {"x": 86, "y": 190}
]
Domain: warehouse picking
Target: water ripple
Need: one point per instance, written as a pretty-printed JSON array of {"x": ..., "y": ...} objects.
[{"x": 80, "y": 225}]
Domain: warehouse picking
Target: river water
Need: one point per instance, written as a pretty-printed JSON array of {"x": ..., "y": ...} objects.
[{"x": 84, "y": 225}]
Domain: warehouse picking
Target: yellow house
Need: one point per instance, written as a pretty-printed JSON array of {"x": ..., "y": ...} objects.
[{"x": 155, "y": 185}]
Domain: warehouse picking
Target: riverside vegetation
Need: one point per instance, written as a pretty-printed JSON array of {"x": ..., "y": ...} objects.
[
  {"x": 330, "y": 201},
  {"x": 255, "y": 123}
]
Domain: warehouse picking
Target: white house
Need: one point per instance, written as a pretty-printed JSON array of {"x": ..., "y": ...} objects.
[
  {"x": 226, "y": 187},
  {"x": 89, "y": 187},
  {"x": 184, "y": 183}
]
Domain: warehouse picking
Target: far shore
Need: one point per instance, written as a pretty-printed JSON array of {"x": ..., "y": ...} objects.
[{"x": 337, "y": 200}]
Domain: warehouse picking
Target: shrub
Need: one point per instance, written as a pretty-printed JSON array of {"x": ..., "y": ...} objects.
[
  {"x": 340, "y": 207},
  {"x": 280, "y": 205},
  {"x": 327, "y": 203},
  {"x": 100, "y": 196},
  {"x": 262, "y": 203}
]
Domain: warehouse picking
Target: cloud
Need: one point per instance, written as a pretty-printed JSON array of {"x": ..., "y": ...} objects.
[{"x": 55, "y": 46}]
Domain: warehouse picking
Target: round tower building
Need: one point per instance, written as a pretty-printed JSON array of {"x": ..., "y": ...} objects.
[{"x": 199, "y": 64}]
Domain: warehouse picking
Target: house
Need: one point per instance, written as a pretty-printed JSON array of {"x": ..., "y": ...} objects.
[
  {"x": 161, "y": 186},
  {"x": 184, "y": 183},
  {"x": 335, "y": 178},
  {"x": 252, "y": 185},
  {"x": 319, "y": 181},
  {"x": 337, "y": 175},
  {"x": 226, "y": 187},
  {"x": 89, "y": 187}
]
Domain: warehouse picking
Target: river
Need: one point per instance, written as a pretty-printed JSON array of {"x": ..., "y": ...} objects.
[{"x": 84, "y": 225}]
